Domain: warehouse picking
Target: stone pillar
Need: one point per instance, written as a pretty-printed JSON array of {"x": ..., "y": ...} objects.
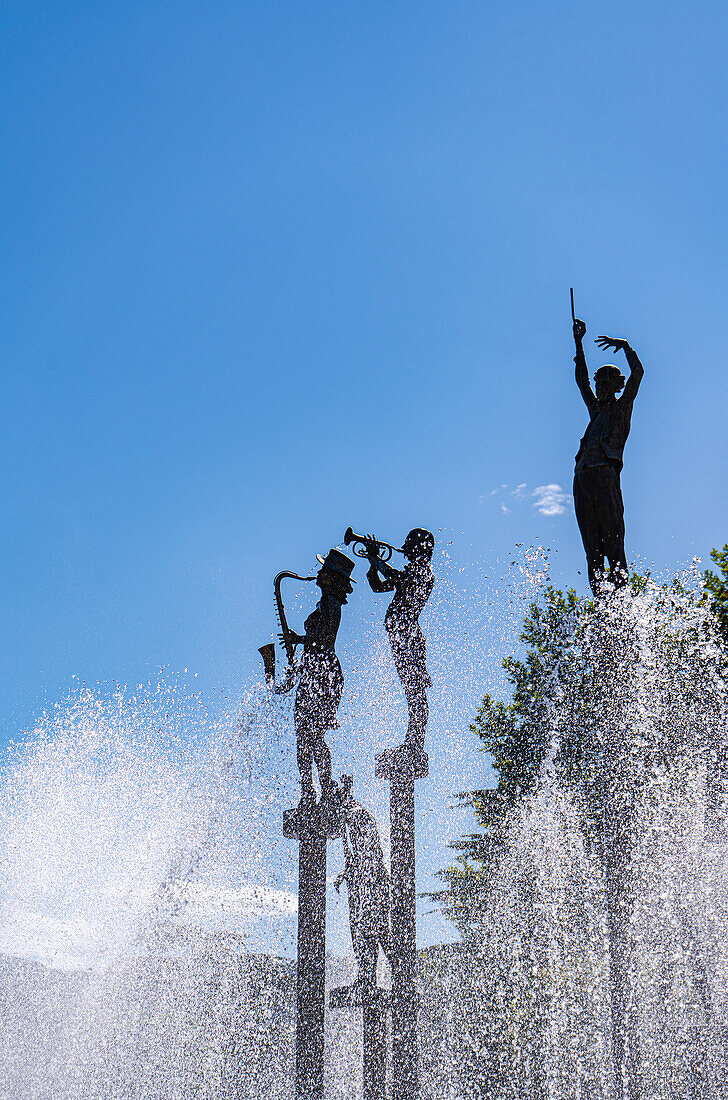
[
  {"x": 311, "y": 828},
  {"x": 374, "y": 1046},
  {"x": 397, "y": 766}
]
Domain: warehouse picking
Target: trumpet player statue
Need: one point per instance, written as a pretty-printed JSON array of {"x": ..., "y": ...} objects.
[
  {"x": 367, "y": 883},
  {"x": 597, "y": 489},
  {"x": 412, "y": 587}
]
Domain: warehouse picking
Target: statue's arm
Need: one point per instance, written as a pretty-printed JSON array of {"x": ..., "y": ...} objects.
[
  {"x": 582, "y": 371},
  {"x": 344, "y": 875},
  {"x": 382, "y": 576},
  {"x": 636, "y": 371},
  {"x": 329, "y": 622}
]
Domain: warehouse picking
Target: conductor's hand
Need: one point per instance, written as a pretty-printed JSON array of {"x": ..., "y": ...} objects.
[
  {"x": 611, "y": 343},
  {"x": 579, "y": 330}
]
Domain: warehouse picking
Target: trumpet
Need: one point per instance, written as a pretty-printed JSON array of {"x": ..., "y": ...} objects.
[
  {"x": 363, "y": 546},
  {"x": 286, "y": 636}
]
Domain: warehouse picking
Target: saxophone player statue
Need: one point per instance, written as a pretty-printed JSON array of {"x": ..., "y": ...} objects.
[
  {"x": 312, "y": 823},
  {"x": 320, "y": 679}
]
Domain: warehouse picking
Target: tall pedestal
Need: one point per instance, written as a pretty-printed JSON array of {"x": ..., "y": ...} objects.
[
  {"x": 374, "y": 1007},
  {"x": 397, "y": 766},
  {"x": 311, "y": 828}
]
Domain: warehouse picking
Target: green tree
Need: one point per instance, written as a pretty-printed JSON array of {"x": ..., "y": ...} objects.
[
  {"x": 607, "y": 697},
  {"x": 716, "y": 585},
  {"x": 516, "y": 735}
]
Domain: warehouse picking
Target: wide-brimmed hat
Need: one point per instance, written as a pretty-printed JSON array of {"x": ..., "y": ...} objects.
[{"x": 338, "y": 563}]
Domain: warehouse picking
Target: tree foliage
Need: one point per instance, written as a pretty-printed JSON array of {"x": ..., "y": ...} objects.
[
  {"x": 515, "y": 734},
  {"x": 716, "y": 586},
  {"x": 519, "y": 737}
]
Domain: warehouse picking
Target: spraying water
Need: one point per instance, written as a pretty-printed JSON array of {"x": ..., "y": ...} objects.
[
  {"x": 131, "y": 905},
  {"x": 598, "y": 967},
  {"x": 138, "y": 909}
]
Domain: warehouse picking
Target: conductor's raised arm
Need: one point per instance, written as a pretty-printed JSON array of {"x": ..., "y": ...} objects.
[
  {"x": 582, "y": 372},
  {"x": 636, "y": 370}
]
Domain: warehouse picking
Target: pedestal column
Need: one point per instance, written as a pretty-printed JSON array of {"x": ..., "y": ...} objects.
[
  {"x": 397, "y": 766},
  {"x": 311, "y": 829}
]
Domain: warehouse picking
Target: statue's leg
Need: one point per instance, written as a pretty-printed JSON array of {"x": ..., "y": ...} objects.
[
  {"x": 358, "y": 944},
  {"x": 305, "y": 762},
  {"x": 412, "y": 671},
  {"x": 322, "y": 756},
  {"x": 368, "y": 965},
  {"x": 419, "y": 710},
  {"x": 417, "y": 687},
  {"x": 385, "y": 933},
  {"x": 614, "y": 526},
  {"x": 587, "y": 509}
]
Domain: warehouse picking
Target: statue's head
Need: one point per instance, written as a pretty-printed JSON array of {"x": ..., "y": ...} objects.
[
  {"x": 608, "y": 381},
  {"x": 419, "y": 545},
  {"x": 334, "y": 576}
]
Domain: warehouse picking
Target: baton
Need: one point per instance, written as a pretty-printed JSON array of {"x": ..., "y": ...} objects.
[{"x": 573, "y": 315}]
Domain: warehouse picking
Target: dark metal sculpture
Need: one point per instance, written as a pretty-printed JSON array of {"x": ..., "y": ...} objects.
[
  {"x": 363, "y": 546},
  {"x": 312, "y": 823},
  {"x": 367, "y": 883},
  {"x": 320, "y": 679},
  {"x": 597, "y": 490},
  {"x": 412, "y": 587},
  {"x": 286, "y": 637}
]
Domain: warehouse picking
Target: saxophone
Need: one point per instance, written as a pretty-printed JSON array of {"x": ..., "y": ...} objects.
[{"x": 287, "y": 638}]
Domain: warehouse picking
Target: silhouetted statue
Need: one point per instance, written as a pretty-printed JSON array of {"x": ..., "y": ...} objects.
[
  {"x": 321, "y": 680},
  {"x": 412, "y": 587},
  {"x": 367, "y": 881},
  {"x": 597, "y": 490}
]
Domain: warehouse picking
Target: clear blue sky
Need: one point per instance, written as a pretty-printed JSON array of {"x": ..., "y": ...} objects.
[{"x": 274, "y": 268}]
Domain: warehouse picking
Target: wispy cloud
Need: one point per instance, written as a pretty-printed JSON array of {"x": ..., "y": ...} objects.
[
  {"x": 550, "y": 500},
  {"x": 547, "y": 500}
]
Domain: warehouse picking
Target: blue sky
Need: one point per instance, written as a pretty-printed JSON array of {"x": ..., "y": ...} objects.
[{"x": 272, "y": 269}]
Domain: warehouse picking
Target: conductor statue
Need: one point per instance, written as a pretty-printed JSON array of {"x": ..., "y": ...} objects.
[{"x": 597, "y": 489}]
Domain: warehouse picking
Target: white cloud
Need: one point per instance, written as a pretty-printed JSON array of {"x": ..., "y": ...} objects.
[
  {"x": 550, "y": 500},
  {"x": 506, "y": 511},
  {"x": 520, "y": 491}
]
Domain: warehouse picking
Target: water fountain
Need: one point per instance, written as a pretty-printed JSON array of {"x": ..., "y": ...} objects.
[{"x": 599, "y": 967}]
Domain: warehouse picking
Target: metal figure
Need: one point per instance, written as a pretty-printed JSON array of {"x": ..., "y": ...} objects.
[
  {"x": 286, "y": 637},
  {"x": 367, "y": 882},
  {"x": 363, "y": 546},
  {"x": 597, "y": 490},
  {"x": 412, "y": 587},
  {"x": 320, "y": 679}
]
